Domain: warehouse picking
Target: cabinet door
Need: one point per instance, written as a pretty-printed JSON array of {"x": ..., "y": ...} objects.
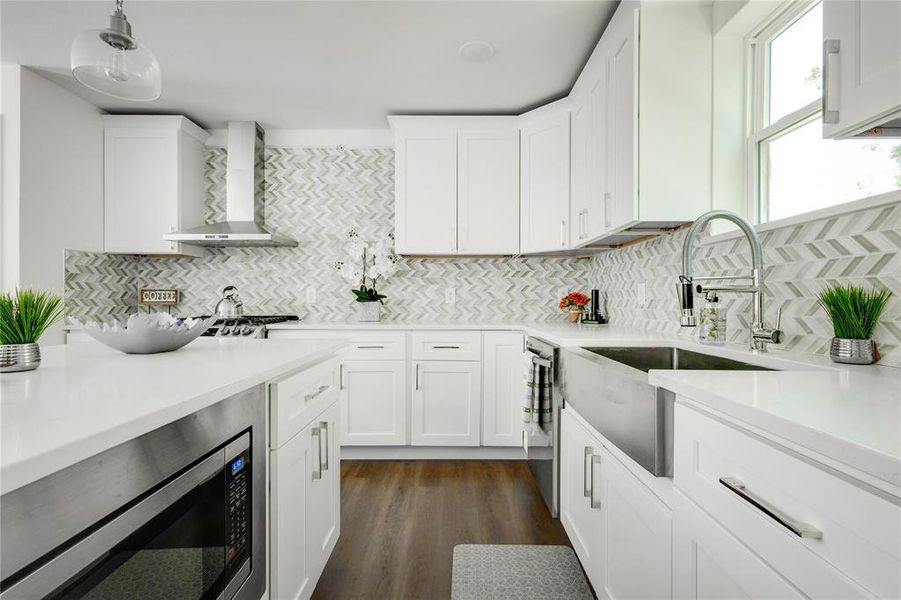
[
  {"x": 596, "y": 219},
  {"x": 426, "y": 188},
  {"x": 373, "y": 403},
  {"x": 620, "y": 44},
  {"x": 708, "y": 563},
  {"x": 502, "y": 389},
  {"x": 862, "y": 43},
  {"x": 447, "y": 403},
  {"x": 544, "y": 187},
  {"x": 140, "y": 194},
  {"x": 292, "y": 569},
  {"x": 580, "y": 121},
  {"x": 580, "y": 472},
  {"x": 488, "y": 191},
  {"x": 324, "y": 493},
  {"x": 637, "y": 553}
]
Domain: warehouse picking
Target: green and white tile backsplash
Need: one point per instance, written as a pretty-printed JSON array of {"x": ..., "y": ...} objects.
[
  {"x": 316, "y": 195},
  {"x": 862, "y": 247}
]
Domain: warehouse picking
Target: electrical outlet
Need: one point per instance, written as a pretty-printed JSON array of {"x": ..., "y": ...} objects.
[
  {"x": 311, "y": 295},
  {"x": 641, "y": 295},
  {"x": 450, "y": 295}
]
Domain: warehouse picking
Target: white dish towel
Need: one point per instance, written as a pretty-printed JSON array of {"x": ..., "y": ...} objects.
[{"x": 536, "y": 412}]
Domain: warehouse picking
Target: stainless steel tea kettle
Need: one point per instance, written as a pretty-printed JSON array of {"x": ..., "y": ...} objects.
[{"x": 230, "y": 305}]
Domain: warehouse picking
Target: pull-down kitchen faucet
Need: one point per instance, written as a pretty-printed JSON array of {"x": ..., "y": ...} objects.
[{"x": 760, "y": 334}]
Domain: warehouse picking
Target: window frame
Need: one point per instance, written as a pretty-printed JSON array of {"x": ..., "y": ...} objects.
[{"x": 758, "y": 131}]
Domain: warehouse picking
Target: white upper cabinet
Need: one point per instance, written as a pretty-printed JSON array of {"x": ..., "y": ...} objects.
[
  {"x": 862, "y": 68},
  {"x": 425, "y": 174},
  {"x": 641, "y": 158},
  {"x": 456, "y": 185},
  {"x": 153, "y": 183},
  {"x": 545, "y": 179},
  {"x": 488, "y": 191}
]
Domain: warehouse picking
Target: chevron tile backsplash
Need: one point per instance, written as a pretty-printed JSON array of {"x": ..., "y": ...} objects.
[
  {"x": 316, "y": 196},
  {"x": 862, "y": 247}
]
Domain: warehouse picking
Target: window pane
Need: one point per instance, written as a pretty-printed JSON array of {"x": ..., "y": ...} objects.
[
  {"x": 806, "y": 172},
  {"x": 796, "y": 65}
]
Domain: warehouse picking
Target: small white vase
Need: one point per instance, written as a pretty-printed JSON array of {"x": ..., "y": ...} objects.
[{"x": 369, "y": 311}]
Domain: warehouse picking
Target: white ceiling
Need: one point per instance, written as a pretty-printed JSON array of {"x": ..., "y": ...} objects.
[{"x": 326, "y": 64}]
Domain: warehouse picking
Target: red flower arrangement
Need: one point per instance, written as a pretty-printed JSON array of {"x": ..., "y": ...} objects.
[{"x": 574, "y": 299}]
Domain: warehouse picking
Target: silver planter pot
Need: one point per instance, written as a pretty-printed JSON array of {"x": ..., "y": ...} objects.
[
  {"x": 852, "y": 352},
  {"x": 19, "y": 357},
  {"x": 369, "y": 311}
]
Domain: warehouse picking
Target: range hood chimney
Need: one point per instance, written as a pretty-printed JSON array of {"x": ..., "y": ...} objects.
[{"x": 243, "y": 196}]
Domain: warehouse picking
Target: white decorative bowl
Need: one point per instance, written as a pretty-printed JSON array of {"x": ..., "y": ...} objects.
[{"x": 148, "y": 333}]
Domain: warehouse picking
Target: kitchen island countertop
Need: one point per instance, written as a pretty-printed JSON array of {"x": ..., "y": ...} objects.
[{"x": 86, "y": 398}]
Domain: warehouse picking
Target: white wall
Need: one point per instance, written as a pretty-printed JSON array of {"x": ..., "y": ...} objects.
[{"x": 57, "y": 202}]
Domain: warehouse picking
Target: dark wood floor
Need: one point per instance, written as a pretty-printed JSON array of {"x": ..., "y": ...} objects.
[{"x": 400, "y": 521}]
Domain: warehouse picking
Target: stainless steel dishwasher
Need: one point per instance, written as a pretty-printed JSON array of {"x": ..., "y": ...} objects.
[{"x": 543, "y": 451}]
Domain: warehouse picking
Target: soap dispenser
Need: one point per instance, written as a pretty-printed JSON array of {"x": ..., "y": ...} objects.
[{"x": 712, "y": 328}]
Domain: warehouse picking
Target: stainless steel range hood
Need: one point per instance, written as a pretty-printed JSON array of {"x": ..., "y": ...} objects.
[{"x": 243, "y": 197}]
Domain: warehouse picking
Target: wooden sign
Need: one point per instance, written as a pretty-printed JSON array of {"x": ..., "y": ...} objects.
[{"x": 157, "y": 297}]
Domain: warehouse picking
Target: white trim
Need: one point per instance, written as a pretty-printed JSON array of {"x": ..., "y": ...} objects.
[
  {"x": 892, "y": 197},
  {"x": 315, "y": 138},
  {"x": 430, "y": 453}
]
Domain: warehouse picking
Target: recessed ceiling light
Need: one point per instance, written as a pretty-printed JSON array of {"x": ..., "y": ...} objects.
[{"x": 476, "y": 51}]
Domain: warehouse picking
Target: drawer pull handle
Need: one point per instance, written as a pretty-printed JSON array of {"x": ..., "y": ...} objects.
[
  {"x": 797, "y": 527},
  {"x": 595, "y": 460},
  {"x": 446, "y": 347},
  {"x": 318, "y": 392},
  {"x": 370, "y": 347},
  {"x": 586, "y": 464},
  {"x": 317, "y": 443},
  {"x": 323, "y": 463}
]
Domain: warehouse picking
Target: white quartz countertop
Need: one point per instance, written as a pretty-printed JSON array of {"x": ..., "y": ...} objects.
[
  {"x": 86, "y": 398},
  {"x": 847, "y": 416}
]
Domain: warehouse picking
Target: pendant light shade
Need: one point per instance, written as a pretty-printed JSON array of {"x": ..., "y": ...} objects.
[{"x": 112, "y": 62}]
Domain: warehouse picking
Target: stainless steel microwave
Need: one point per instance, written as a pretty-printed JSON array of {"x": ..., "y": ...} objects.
[{"x": 176, "y": 513}]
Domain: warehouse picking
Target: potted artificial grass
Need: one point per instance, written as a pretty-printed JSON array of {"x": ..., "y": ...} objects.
[
  {"x": 24, "y": 317},
  {"x": 854, "y": 313}
]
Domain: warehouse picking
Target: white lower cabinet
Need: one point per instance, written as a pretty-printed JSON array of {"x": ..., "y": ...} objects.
[
  {"x": 304, "y": 505},
  {"x": 637, "y": 532},
  {"x": 447, "y": 403},
  {"x": 502, "y": 388},
  {"x": 373, "y": 403},
  {"x": 620, "y": 530},
  {"x": 708, "y": 562},
  {"x": 580, "y": 511}
]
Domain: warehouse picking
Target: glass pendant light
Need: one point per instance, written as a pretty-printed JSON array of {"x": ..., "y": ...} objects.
[{"x": 112, "y": 62}]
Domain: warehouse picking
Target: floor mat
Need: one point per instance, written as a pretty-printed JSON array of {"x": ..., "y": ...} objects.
[{"x": 487, "y": 571}]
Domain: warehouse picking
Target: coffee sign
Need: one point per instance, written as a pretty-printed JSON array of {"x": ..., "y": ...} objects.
[{"x": 158, "y": 297}]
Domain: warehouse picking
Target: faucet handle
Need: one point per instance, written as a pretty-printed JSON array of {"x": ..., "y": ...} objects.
[{"x": 779, "y": 318}]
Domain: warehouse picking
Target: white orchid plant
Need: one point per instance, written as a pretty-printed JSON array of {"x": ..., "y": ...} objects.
[{"x": 366, "y": 263}]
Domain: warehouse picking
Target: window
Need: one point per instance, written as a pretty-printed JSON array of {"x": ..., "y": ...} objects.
[{"x": 794, "y": 170}]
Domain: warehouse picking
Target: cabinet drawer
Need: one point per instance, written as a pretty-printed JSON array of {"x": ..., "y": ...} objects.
[
  {"x": 771, "y": 492},
  {"x": 447, "y": 345},
  {"x": 296, "y": 399},
  {"x": 375, "y": 346},
  {"x": 362, "y": 345}
]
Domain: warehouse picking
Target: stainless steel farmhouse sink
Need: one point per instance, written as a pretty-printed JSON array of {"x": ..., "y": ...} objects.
[
  {"x": 665, "y": 357},
  {"x": 609, "y": 388}
]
